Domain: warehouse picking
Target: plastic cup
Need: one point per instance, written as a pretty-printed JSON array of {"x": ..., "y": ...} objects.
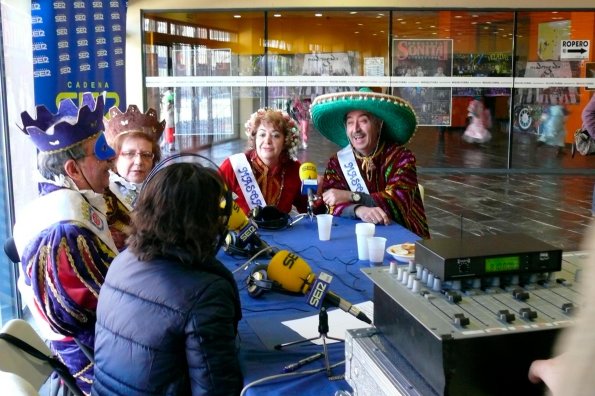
[
  {"x": 325, "y": 222},
  {"x": 363, "y": 231},
  {"x": 376, "y": 247}
]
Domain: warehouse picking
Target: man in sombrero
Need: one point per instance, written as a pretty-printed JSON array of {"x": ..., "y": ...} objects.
[{"x": 374, "y": 176}]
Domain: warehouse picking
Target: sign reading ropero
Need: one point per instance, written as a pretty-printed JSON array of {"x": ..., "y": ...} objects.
[{"x": 574, "y": 49}]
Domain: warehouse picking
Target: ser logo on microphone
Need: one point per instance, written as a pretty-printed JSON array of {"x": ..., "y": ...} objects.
[
  {"x": 319, "y": 289},
  {"x": 290, "y": 260}
]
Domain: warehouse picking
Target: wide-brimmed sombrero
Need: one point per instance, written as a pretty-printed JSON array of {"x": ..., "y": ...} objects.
[{"x": 329, "y": 111}]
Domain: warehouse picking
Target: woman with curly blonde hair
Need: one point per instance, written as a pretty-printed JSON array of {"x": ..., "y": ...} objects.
[{"x": 267, "y": 174}]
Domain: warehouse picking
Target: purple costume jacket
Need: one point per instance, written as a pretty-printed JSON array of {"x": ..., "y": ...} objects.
[{"x": 65, "y": 265}]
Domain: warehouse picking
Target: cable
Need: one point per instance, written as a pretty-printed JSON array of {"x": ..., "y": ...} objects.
[
  {"x": 287, "y": 375},
  {"x": 249, "y": 261}
]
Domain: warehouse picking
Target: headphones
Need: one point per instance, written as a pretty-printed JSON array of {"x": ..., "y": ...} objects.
[
  {"x": 234, "y": 247},
  {"x": 258, "y": 282},
  {"x": 201, "y": 162},
  {"x": 270, "y": 217}
]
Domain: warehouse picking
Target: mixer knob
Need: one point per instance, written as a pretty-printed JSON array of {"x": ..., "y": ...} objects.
[
  {"x": 506, "y": 316},
  {"x": 404, "y": 278},
  {"x": 528, "y": 313},
  {"x": 424, "y": 275},
  {"x": 520, "y": 294},
  {"x": 476, "y": 283},
  {"x": 416, "y": 286},
  {"x": 461, "y": 320},
  {"x": 568, "y": 308},
  {"x": 437, "y": 286},
  {"x": 399, "y": 274},
  {"x": 392, "y": 269},
  {"x": 430, "y": 280},
  {"x": 410, "y": 281}
]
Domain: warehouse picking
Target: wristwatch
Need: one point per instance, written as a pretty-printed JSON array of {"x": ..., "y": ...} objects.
[{"x": 355, "y": 197}]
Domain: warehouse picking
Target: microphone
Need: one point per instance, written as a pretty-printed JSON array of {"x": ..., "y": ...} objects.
[
  {"x": 246, "y": 231},
  {"x": 293, "y": 274},
  {"x": 309, "y": 178}
]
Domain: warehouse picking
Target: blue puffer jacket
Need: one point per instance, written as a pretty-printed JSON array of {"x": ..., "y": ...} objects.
[{"x": 166, "y": 329}]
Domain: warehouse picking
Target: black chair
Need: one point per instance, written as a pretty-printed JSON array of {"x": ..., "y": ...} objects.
[{"x": 10, "y": 248}]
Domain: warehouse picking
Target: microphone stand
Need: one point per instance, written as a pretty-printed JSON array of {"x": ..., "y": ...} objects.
[
  {"x": 311, "y": 204},
  {"x": 322, "y": 334}
]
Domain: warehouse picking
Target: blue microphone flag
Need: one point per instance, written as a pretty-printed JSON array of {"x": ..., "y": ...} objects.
[{"x": 319, "y": 290}]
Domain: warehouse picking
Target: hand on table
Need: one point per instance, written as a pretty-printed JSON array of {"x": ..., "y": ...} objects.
[{"x": 372, "y": 215}]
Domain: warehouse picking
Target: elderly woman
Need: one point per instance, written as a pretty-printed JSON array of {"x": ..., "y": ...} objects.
[
  {"x": 268, "y": 173},
  {"x": 134, "y": 136}
]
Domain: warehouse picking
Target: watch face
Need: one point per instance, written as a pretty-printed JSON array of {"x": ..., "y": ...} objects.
[{"x": 355, "y": 197}]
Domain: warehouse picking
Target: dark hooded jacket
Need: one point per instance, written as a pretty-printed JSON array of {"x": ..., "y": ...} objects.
[{"x": 165, "y": 328}]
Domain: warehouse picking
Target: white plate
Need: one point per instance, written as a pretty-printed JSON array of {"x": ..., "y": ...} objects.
[{"x": 392, "y": 250}]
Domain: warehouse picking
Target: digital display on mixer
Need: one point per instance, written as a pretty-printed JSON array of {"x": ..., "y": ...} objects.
[{"x": 502, "y": 264}]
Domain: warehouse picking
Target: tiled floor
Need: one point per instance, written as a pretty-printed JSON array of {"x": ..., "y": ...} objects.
[{"x": 461, "y": 199}]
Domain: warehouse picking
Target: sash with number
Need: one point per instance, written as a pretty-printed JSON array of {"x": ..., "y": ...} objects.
[
  {"x": 351, "y": 170},
  {"x": 247, "y": 181}
]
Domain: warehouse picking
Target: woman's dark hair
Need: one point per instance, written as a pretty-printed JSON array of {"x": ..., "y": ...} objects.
[{"x": 179, "y": 210}]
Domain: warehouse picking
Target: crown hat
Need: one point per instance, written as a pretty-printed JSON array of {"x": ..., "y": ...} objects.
[
  {"x": 329, "y": 111},
  {"x": 133, "y": 120},
  {"x": 71, "y": 125}
]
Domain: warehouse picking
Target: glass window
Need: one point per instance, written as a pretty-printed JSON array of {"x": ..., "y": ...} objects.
[
  {"x": 216, "y": 58},
  {"x": 312, "y": 53},
  {"x": 8, "y": 270},
  {"x": 551, "y": 87},
  {"x": 455, "y": 67}
]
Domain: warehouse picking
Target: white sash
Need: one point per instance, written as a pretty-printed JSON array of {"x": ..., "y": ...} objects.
[
  {"x": 351, "y": 170},
  {"x": 247, "y": 181},
  {"x": 60, "y": 205}
]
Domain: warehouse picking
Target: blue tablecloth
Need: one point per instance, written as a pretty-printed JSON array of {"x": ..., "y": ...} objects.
[{"x": 263, "y": 315}]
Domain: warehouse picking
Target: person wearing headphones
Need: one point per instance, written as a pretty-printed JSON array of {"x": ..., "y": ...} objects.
[
  {"x": 374, "y": 177},
  {"x": 135, "y": 138},
  {"x": 62, "y": 237},
  {"x": 168, "y": 311},
  {"x": 268, "y": 173}
]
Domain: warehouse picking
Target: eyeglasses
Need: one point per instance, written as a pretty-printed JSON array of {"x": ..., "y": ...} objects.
[{"x": 144, "y": 155}]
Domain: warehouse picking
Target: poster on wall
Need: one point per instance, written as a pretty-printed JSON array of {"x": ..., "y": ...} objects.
[
  {"x": 549, "y": 37},
  {"x": 552, "y": 95},
  {"x": 78, "y": 46},
  {"x": 327, "y": 64},
  {"x": 425, "y": 58}
]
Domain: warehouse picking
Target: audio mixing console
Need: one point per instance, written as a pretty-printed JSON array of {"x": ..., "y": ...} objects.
[{"x": 471, "y": 324}]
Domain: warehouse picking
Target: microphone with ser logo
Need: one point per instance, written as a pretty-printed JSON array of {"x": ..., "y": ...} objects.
[
  {"x": 247, "y": 241},
  {"x": 309, "y": 178},
  {"x": 292, "y": 273}
]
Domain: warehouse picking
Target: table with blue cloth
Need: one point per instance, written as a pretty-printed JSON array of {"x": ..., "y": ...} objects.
[{"x": 261, "y": 326}]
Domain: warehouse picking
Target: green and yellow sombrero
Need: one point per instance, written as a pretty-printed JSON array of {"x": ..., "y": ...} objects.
[{"x": 329, "y": 111}]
